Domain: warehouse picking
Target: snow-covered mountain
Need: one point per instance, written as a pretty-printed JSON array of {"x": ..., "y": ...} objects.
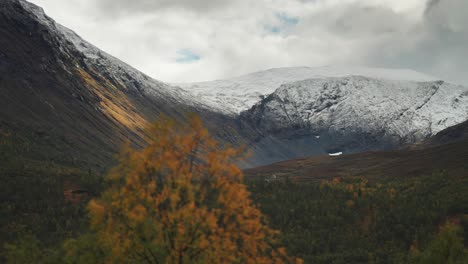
[
  {"x": 355, "y": 113},
  {"x": 401, "y": 109},
  {"x": 238, "y": 94}
]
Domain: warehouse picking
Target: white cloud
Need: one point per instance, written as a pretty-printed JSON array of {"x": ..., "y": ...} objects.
[{"x": 237, "y": 37}]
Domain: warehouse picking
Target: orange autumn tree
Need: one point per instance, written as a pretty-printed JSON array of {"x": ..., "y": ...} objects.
[{"x": 181, "y": 200}]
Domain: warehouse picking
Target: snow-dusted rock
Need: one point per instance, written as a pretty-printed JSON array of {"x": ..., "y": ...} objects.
[
  {"x": 235, "y": 95},
  {"x": 400, "y": 111}
]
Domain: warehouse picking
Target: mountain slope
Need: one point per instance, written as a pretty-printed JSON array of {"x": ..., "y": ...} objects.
[
  {"x": 69, "y": 100},
  {"x": 420, "y": 160},
  {"x": 353, "y": 114},
  {"x": 65, "y": 110},
  {"x": 238, "y": 94},
  {"x": 450, "y": 135}
]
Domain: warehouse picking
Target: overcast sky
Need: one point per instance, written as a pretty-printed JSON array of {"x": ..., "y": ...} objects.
[{"x": 196, "y": 40}]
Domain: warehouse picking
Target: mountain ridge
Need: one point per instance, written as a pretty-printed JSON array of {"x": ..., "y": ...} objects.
[{"x": 242, "y": 92}]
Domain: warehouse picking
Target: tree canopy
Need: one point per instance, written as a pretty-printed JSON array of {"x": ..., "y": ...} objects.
[{"x": 179, "y": 200}]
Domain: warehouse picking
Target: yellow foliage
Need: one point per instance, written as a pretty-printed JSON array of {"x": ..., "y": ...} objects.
[
  {"x": 181, "y": 200},
  {"x": 350, "y": 203}
]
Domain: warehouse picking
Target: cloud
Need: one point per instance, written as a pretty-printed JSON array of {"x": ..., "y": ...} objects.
[
  {"x": 430, "y": 4},
  {"x": 438, "y": 44},
  {"x": 357, "y": 20},
  {"x": 230, "y": 38},
  {"x": 125, "y": 7}
]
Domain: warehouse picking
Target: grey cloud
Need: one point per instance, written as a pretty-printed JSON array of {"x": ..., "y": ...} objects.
[
  {"x": 446, "y": 38},
  {"x": 357, "y": 20},
  {"x": 438, "y": 44},
  {"x": 430, "y": 4},
  {"x": 125, "y": 7},
  {"x": 442, "y": 45},
  {"x": 448, "y": 15}
]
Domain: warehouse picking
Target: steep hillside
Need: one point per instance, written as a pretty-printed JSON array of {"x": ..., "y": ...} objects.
[
  {"x": 67, "y": 99},
  {"x": 419, "y": 160},
  {"x": 452, "y": 134}
]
